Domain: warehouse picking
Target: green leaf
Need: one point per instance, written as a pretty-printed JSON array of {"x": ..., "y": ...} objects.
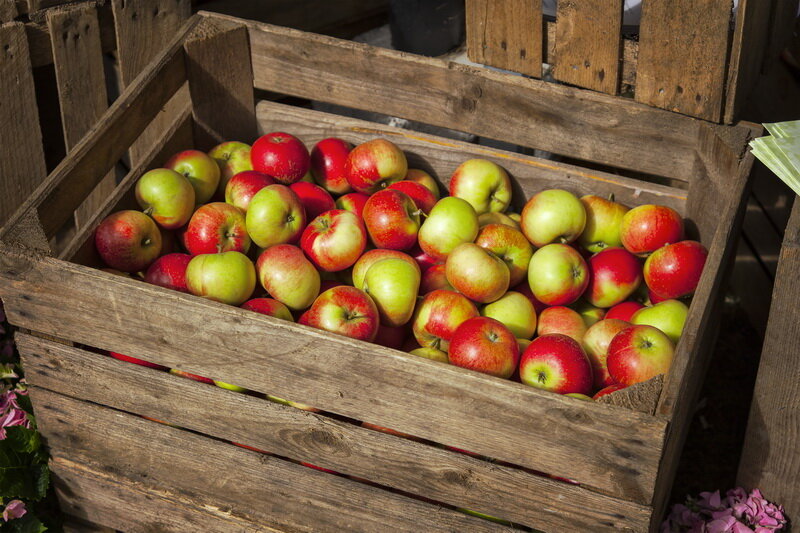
[
  {"x": 24, "y": 402},
  {"x": 29, "y": 523},
  {"x": 22, "y": 439},
  {"x": 42, "y": 472}
]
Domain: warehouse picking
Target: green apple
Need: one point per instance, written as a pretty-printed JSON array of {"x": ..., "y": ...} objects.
[
  {"x": 393, "y": 285},
  {"x": 201, "y": 171},
  {"x": 288, "y": 276},
  {"x": 477, "y": 273},
  {"x": 523, "y": 344},
  {"x": 451, "y": 222},
  {"x": 431, "y": 353},
  {"x": 166, "y": 196},
  {"x": 515, "y": 311},
  {"x": 232, "y": 157},
  {"x": 553, "y": 216},
  {"x": 579, "y": 396},
  {"x": 275, "y": 216},
  {"x": 557, "y": 274},
  {"x": 669, "y": 316},
  {"x": 590, "y": 314},
  {"x": 228, "y": 386},
  {"x": 603, "y": 223},
  {"x": 497, "y": 218},
  {"x": 228, "y": 277},
  {"x": 484, "y": 184}
]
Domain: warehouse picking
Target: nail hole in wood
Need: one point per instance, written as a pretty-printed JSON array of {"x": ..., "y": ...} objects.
[
  {"x": 523, "y": 53},
  {"x": 698, "y": 98},
  {"x": 155, "y": 11},
  {"x": 587, "y": 64},
  {"x": 661, "y": 91},
  {"x": 602, "y": 74},
  {"x": 503, "y": 45},
  {"x": 679, "y": 89}
]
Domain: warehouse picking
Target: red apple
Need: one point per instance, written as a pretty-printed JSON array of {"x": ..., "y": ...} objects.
[
  {"x": 201, "y": 171},
  {"x": 423, "y": 198},
  {"x": 243, "y": 186},
  {"x": 216, "y": 227},
  {"x": 638, "y": 353},
  {"x": 557, "y": 274},
  {"x": 477, "y": 273},
  {"x": 674, "y": 270},
  {"x": 556, "y": 363},
  {"x": 141, "y": 362},
  {"x": 166, "y": 196},
  {"x": 281, "y": 155},
  {"x": 275, "y": 216},
  {"x": 334, "y": 240},
  {"x": 328, "y": 160},
  {"x": 595, "y": 344},
  {"x": 608, "y": 390},
  {"x": 624, "y": 311},
  {"x": 314, "y": 198},
  {"x": 128, "y": 241},
  {"x": 193, "y": 377},
  {"x": 353, "y": 202},
  {"x": 269, "y": 307},
  {"x": 647, "y": 228},
  {"x": 510, "y": 245},
  {"x": 562, "y": 320},
  {"x": 438, "y": 315},
  {"x": 654, "y": 298},
  {"x": 433, "y": 279},
  {"x": 346, "y": 311},
  {"x": 524, "y": 288},
  {"x": 373, "y": 165},
  {"x": 169, "y": 271},
  {"x": 423, "y": 260},
  {"x": 288, "y": 276},
  {"x": 483, "y": 183},
  {"x": 486, "y": 345},
  {"x": 423, "y": 178},
  {"x": 392, "y": 220},
  {"x": 615, "y": 273},
  {"x": 326, "y": 284},
  {"x": 227, "y": 277}
]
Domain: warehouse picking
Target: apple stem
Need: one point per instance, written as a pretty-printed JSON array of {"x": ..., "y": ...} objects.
[
  {"x": 611, "y": 197},
  {"x": 148, "y": 210}
]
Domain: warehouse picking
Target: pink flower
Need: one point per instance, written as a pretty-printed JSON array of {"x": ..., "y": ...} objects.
[{"x": 14, "y": 509}]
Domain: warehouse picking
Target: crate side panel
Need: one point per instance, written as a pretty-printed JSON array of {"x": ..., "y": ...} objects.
[
  {"x": 390, "y": 388},
  {"x": 253, "y": 485},
  {"x": 404, "y": 464}
]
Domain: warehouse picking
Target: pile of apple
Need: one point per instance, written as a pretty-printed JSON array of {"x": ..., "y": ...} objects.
[{"x": 350, "y": 240}]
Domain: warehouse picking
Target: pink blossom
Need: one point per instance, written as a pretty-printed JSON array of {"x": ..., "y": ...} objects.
[
  {"x": 736, "y": 512},
  {"x": 14, "y": 509}
]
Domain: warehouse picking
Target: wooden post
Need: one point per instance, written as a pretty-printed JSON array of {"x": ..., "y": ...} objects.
[{"x": 771, "y": 457}]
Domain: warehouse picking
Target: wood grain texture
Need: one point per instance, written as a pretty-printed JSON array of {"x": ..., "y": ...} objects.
[
  {"x": 589, "y": 44},
  {"x": 257, "y": 487},
  {"x": 619, "y": 449},
  {"x": 579, "y": 123},
  {"x": 71, "y": 182},
  {"x": 435, "y": 473},
  {"x": 683, "y": 49},
  {"x": 144, "y": 28},
  {"x": 442, "y": 156},
  {"x": 506, "y": 34},
  {"x": 78, "y": 59},
  {"x": 8, "y": 11},
  {"x": 770, "y": 456},
  {"x": 22, "y": 164},
  {"x": 220, "y": 83}
]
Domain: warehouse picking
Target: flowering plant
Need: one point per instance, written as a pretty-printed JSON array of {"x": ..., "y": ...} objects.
[{"x": 737, "y": 512}]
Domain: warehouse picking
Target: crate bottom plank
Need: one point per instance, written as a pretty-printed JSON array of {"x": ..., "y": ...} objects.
[
  {"x": 404, "y": 464},
  {"x": 248, "y": 484}
]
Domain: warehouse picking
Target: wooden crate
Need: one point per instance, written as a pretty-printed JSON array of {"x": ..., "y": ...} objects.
[
  {"x": 114, "y": 468},
  {"x": 687, "y": 56}
]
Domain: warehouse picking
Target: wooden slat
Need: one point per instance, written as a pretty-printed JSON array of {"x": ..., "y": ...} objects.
[
  {"x": 770, "y": 457},
  {"x": 221, "y": 84},
  {"x": 683, "y": 48},
  {"x": 103, "y": 497},
  {"x": 752, "y": 284},
  {"x": 78, "y": 59},
  {"x": 442, "y": 156},
  {"x": 144, "y": 28},
  {"x": 8, "y": 10},
  {"x": 619, "y": 449},
  {"x": 22, "y": 165},
  {"x": 70, "y": 183},
  {"x": 251, "y": 485},
  {"x": 453, "y": 478},
  {"x": 762, "y": 234},
  {"x": 506, "y": 34},
  {"x": 579, "y": 123},
  {"x": 748, "y": 46},
  {"x": 589, "y": 44}
]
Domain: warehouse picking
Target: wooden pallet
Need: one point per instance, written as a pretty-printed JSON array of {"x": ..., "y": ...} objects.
[
  {"x": 621, "y": 460},
  {"x": 687, "y": 57}
]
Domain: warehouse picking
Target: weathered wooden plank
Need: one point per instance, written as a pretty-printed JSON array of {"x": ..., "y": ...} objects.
[
  {"x": 619, "y": 449},
  {"x": 442, "y": 156},
  {"x": 103, "y": 497},
  {"x": 438, "y": 474},
  {"x": 78, "y": 59},
  {"x": 144, "y": 28},
  {"x": 251, "y": 485},
  {"x": 762, "y": 234},
  {"x": 748, "y": 46},
  {"x": 589, "y": 44},
  {"x": 70, "y": 183},
  {"x": 770, "y": 457},
  {"x": 579, "y": 123},
  {"x": 22, "y": 164},
  {"x": 8, "y": 11},
  {"x": 752, "y": 284},
  {"x": 683, "y": 48},
  {"x": 506, "y": 34},
  {"x": 220, "y": 83}
]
